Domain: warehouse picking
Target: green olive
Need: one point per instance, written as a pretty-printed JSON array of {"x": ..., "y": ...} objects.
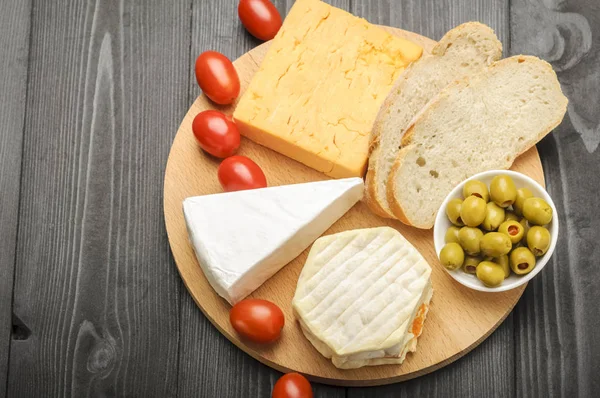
[
  {"x": 452, "y": 235},
  {"x": 495, "y": 244},
  {"x": 469, "y": 238},
  {"x": 503, "y": 262},
  {"x": 511, "y": 216},
  {"x": 503, "y": 191},
  {"x": 526, "y": 227},
  {"x": 537, "y": 211},
  {"x": 452, "y": 256},
  {"x": 513, "y": 229},
  {"x": 470, "y": 264},
  {"x": 522, "y": 195},
  {"x": 472, "y": 211},
  {"x": 494, "y": 215},
  {"x": 522, "y": 261},
  {"x": 476, "y": 188},
  {"x": 453, "y": 212},
  {"x": 538, "y": 240},
  {"x": 491, "y": 274}
]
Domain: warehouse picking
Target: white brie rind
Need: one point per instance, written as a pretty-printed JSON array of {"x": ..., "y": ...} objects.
[
  {"x": 359, "y": 294},
  {"x": 243, "y": 238}
]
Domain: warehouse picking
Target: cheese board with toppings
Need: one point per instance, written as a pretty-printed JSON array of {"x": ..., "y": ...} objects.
[{"x": 331, "y": 276}]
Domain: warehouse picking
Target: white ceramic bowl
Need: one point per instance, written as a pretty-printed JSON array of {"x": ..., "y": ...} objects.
[{"x": 442, "y": 224}]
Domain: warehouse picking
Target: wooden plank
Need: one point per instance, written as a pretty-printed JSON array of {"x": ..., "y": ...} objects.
[
  {"x": 14, "y": 47},
  {"x": 210, "y": 365},
  {"x": 485, "y": 372},
  {"x": 488, "y": 369},
  {"x": 557, "y": 352},
  {"x": 94, "y": 282},
  {"x": 434, "y": 18}
]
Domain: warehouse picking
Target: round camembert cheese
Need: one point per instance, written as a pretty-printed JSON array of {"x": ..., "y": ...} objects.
[{"x": 362, "y": 297}]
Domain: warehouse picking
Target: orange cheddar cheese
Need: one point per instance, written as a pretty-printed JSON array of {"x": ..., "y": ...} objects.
[{"x": 320, "y": 86}]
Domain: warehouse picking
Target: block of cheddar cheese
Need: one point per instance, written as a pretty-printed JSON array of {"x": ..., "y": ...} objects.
[{"x": 318, "y": 90}]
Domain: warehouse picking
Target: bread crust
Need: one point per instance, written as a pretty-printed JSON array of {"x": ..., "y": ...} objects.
[
  {"x": 370, "y": 197},
  {"x": 407, "y": 139},
  {"x": 391, "y": 190},
  {"x": 372, "y": 194}
]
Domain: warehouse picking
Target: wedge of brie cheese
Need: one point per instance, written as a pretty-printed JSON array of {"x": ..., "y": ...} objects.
[
  {"x": 242, "y": 238},
  {"x": 362, "y": 297}
]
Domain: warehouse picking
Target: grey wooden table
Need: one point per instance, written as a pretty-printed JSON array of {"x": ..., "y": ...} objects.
[{"x": 90, "y": 300}]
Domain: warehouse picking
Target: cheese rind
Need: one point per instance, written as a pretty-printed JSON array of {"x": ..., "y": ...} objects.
[
  {"x": 359, "y": 294},
  {"x": 318, "y": 90},
  {"x": 243, "y": 238}
]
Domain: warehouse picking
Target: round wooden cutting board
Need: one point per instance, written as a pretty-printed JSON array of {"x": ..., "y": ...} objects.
[{"x": 459, "y": 318}]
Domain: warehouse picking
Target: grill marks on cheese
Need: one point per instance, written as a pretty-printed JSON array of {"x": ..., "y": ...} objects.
[
  {"x": 318, "y": 90},
  {"x": 361, "y": 292}
]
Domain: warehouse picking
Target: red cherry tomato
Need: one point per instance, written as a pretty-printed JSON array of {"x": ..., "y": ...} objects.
[
  {"x": 292, "y": 385},
  {"x": 217, "y": 77},
  {"x": 216, "y": 134},
  {"x": 258, "y": 320},
  {"x": 237, "y": 173},
  {"x": 260, "y": 18}
]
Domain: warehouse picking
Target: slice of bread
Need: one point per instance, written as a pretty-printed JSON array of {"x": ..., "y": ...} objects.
[
  {"x": 463, "y": 51},
  {"x": 477, "y": 124}
]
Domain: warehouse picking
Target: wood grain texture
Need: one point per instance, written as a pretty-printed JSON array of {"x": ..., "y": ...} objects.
[
  {"x": 94, "y": 281},
  {"x": 487, "y": 371},
  {"x": 556, "y": 319},
  {"x": 14, "y": 47},
  {"x": 446, "y": 338},
  {"x": 556, "y": 322},
  {"x": 434, "y": 18},
  {"x": 209, "y": 364}
]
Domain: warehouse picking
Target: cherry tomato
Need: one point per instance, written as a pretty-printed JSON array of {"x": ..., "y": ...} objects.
[
  {"x": 258, "y": 320},
  {"x": 260, "y": 18},
  {"x": 292, "y": 385},
  {"x": 216, "y": 134},
  {"x": 217, "y": 77},
  {"x": 238, "y": 173}
]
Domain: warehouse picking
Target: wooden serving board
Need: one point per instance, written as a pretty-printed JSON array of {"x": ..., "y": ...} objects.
[{"x": 459, "y": 318}]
